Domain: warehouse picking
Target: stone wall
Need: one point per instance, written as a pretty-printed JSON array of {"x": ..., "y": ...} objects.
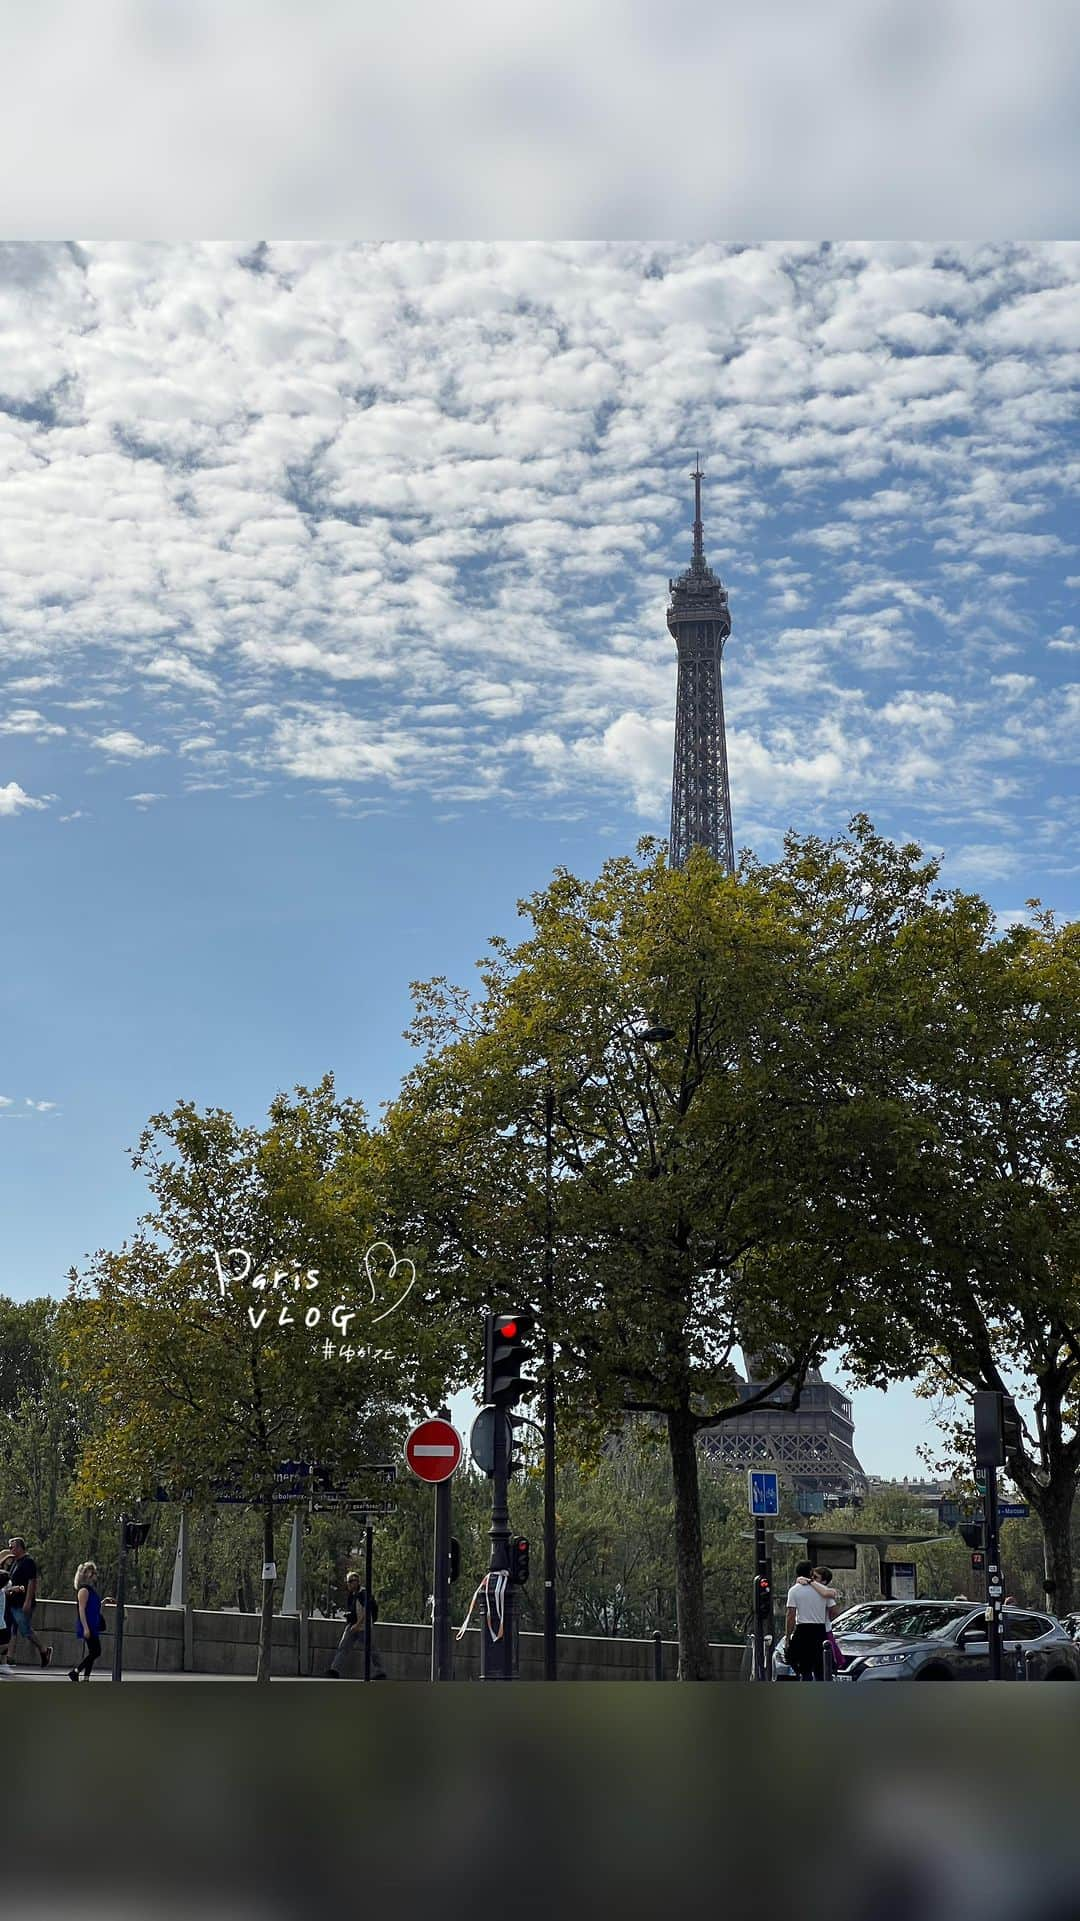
[{"x": 226, "y": 1644}]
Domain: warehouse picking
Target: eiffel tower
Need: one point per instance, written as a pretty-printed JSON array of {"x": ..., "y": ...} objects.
[
  {"x": 812, "y": 1446},
  {"x": 699, "y": 623}
]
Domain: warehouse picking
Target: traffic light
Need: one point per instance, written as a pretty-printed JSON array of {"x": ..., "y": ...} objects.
[
  {"x": 989, "y": 1429},
  {"x": 978, "y": 1562},
  {"x": 1010, "y": 1426},
  {"x": 455, "y": 1558},
  {"x": 762, "y": 1597},
  {"x": 135, "y": 1533},
  {"x": 971, "y": 1533},
  {"x": 519, "y": 1562},
  {"x": 506, "y": 1351}
]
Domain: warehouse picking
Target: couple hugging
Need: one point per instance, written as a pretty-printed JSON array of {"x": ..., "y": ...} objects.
[{"x": 811, "y": 1604}]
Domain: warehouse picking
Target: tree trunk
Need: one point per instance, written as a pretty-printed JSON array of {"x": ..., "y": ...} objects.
[
  {"x": 1055, "y": 1515},
  {"x": 1052, "y": 1500},
  {"x": 695, "y": 1663},
  {"x": 266, "y": 1618}
]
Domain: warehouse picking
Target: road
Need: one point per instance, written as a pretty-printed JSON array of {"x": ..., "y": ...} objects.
[{"x": 103, "y": 1677}]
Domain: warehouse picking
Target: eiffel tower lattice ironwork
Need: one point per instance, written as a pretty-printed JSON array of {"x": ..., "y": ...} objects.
[{"x": 699, "y": 623}]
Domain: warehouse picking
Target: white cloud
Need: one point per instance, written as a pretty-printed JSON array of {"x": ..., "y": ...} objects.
[
  {"x": 121, "y": 745},
  {"x": 26, "y": 720},
  {"x": 403, "y": 516},
  {"x": 339, "y": 746},
  {"x": 180, "y": 672},
  {"x": 13, "y": 800},
  {"x": 887, "y": 503},
  {"x": 926, "y": 713},
  {"x": 41, "y": 1107}
]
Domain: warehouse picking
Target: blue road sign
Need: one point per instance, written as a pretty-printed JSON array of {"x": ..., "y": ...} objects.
[
  {"x": 764, "y": 1492},
  {"x": 1013, "y": 1511}
]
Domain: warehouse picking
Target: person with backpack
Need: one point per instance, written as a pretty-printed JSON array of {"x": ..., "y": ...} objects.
[
  {"x": 352, "y": 1641},
  {"x": 90, "y": 1624}
]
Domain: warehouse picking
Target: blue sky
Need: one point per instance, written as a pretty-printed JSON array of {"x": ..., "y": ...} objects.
[{"x": 332, "y": 589}]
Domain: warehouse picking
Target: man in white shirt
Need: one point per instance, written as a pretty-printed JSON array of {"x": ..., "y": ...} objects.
[{"x": 807, "y": 1620}]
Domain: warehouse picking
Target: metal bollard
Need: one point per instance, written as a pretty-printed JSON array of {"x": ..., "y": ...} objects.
[
  {"x": 828, "y": 1665},
  {"x": 658, "y": 1656}
]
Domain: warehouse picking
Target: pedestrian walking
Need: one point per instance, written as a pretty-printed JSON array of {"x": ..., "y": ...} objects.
[
  {"x": 90, "y": 1621},
  {"x": 352, "y": 1641},
  {"x": 7, "y": 1627},
  {"x": 807, "y": 1623},
  {"x": 22, "y": 1588}
]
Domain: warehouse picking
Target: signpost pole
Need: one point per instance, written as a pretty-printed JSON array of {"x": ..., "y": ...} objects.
[
  {"x": 121, "y": 1589},
  {"x": 761, "y": 1566},
  {"x": 440, "y": 1614},
  {"x": 369, "y": 1536},
  {"x": 763, "y": 1500},
  {"x": 440, "y": 1619},
  {"x": 994, "y": 1587},
  {"x": 498, "y": 1664}
]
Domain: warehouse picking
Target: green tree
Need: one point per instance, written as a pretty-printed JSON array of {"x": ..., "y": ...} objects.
[
  {"x": 197, "y": 1376},
  {"x": 979, "y": 1243},
  {"x": 40, "y": 1426},
  {"x": 702, "y": 1036}
]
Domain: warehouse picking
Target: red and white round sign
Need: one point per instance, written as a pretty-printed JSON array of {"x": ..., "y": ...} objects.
[{"x": 434, "y": 1450}]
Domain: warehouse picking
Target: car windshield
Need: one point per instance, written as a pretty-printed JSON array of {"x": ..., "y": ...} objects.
[
  {"x": 915, "y": 1620},
  {"x": 858, "y": 1620}
]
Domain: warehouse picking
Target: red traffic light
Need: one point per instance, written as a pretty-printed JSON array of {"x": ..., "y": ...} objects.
[{"x": 508, "y": 1329}]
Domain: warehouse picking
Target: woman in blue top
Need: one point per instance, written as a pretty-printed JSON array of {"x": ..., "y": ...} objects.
[{"x": 89, "y": 1624}]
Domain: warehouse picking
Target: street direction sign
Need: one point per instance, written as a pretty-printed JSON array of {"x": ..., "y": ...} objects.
[
  {"x": 434, "y": 1450},
  {"x": 482, "y": 1439},
  {"x": 763, "y": 1492},
  {"x": 294, "y": 1483},
  {"x": 1013, "y": 1510}
]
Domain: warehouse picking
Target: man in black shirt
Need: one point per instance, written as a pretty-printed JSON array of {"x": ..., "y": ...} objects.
[{"x": 22, "y": 1590}]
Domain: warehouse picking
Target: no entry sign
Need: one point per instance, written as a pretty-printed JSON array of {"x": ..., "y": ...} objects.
[{"x": 433, "y": 1450}]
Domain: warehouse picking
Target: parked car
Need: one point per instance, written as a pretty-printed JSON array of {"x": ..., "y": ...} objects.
[
  {"x": 855, "y": 1621},
  {"x": 947, "y": 1641},
  {"x": 943, "y": 1641}
]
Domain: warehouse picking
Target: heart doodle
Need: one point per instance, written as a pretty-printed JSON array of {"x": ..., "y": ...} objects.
[{"x": 403, "y": 1262}]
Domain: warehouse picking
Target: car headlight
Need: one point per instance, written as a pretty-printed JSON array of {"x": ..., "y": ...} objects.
[{"x": 885, "y": 1660}]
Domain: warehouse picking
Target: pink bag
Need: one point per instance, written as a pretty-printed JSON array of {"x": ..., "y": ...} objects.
[{"x": 840, "y": 1661}]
